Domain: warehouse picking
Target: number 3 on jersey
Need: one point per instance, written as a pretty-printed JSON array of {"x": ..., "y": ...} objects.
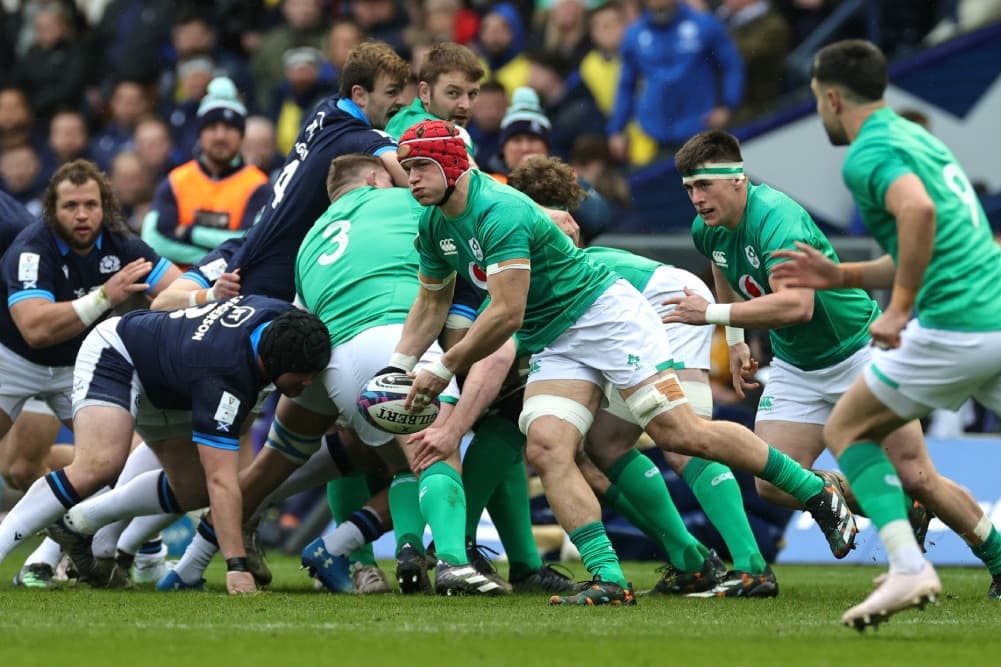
[{"x": 337, "y": 233}]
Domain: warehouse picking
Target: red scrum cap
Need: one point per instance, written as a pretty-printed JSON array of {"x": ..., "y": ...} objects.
[{"x": 440, "y": 142}]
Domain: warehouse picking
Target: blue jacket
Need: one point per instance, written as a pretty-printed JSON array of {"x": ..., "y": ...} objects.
[{"x": 686, "y": 67}]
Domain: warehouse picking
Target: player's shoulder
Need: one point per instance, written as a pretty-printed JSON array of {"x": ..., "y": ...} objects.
[{"x": 37, "y": 236}]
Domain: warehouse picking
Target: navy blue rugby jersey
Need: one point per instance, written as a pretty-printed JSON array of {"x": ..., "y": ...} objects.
[
  {"x": 13, "y": 218},
  {"x": 215, "y": 263},
  {"x": 40, "y": 265},
  {"x": 203, "y": 359},
  {"x": 267, "y": 258}
]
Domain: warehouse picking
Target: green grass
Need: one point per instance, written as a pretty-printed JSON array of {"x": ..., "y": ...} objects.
[{"x": 293, "y": 624}]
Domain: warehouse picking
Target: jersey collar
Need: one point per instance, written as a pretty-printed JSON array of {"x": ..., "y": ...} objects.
[
  {"x": 349, "y": 107},
  {"x": 255, "y": 335},
  {"x": 65, "y": 249}
]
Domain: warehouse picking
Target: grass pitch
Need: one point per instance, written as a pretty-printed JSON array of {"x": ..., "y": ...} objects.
[{"x": 292, "y": 624}]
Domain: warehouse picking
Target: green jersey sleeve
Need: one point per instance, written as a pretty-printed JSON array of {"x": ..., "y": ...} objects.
[{"x": 431, "y": 264}]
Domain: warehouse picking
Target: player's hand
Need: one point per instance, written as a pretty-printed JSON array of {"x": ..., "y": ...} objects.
[
  {"x": 806, "y": 267},
  {"x": 123, "y": 284},
  {"x": 227, "y": 286},
  {"x": 885, "y": 329},
  {"x": 433, "y": 444},
  {"x": 566, "y": 223},
  {"x": 743, "y": 367},
  {"x": 688, "y": 309},
  {"x": 427, "y": 386},
  {"x": 240, "y": 583}
]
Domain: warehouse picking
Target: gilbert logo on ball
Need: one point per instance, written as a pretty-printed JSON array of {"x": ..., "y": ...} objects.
[{"x": 381, "y": 403}]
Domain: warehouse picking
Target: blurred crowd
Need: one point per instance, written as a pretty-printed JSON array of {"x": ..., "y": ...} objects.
[{"x": 620, "y": 83}]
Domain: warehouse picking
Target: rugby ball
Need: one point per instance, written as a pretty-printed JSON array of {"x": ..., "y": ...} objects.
[{"x": 381, "y": 403}]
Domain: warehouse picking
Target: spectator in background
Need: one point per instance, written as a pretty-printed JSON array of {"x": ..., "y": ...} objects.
[
  {"x": 593, "y": 164},
  {"x": 193, "y": 34},
  {"x": 259, "y": 147},
  {"x": 599, "y": 68},
  {"x": 526, "y": 131},
  {"x": 566, "y": 101},
  {"x": 440, "y": 19},
  {"x": 128, "y": 43},
  {"x": 344, "y": 35},
  {"x": 485, "y": 126},
  {"x": 215, "y": 196},
  {"x": 501, "y": 41},
  {"x": 68, "y": 140},
  {"x": 193, "y": 76},
  {"x": 21, "y": 176},
  {"x": 155, "y": 147},
  {"x": 762, "y": 38},
  {"x": 382, "y": 20},
  {"x": 565, "y": 30},
  {"x": 692, "y": 79},
  {"x": 16, "y": 126},
  {"x": 302, "y": 88},
  {"x": 133, "y": 187},
  {"x": 53, "y": 72},
  {"x": 305, "y": 24},
  {"x": 129, "y": 102}
]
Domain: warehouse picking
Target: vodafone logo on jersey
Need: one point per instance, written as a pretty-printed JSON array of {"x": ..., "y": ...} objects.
[
  {"x": 477, "y": 276},
  {"x": 750, "y": 287}
]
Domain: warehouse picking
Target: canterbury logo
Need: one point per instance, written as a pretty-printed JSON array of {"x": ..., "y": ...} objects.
[
  {"x": 719, "y": 479},
  {"x": 720, "y": 258},
  {"x": 448, "y": 246}
]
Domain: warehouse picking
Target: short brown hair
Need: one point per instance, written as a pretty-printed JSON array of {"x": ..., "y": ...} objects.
[
  {"x": 450, "y": 57},
  {"x": 79, "y": 172},
  {"x": 346, "y": 168},
  {"x": 547, "y": 181},
  {"x": 366, "y": 61},
  {"x": 709, "y": 146}
]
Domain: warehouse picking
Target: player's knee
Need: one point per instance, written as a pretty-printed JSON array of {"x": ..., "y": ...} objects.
[
  {"x": 296, "y": 447},
  {"x": 916, "y": 480},
  {"x": 22, "y": 472}
]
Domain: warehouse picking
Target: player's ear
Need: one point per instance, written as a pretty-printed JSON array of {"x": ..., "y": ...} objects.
[
  {"x": 359, "y": 95},
  {"x": 424, "y": 91}
]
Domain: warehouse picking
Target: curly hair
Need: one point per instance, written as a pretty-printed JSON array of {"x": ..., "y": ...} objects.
[
  {"x": 548, "y": 181},
  {"x": 79, "y": 172}
]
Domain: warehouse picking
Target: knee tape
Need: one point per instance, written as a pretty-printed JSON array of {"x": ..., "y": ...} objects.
[
  {"x": 296, "y": 447},
  {"x": 700, "y": 397},
  {"x": 556, "y": 406},
  {"x": 655, "y": 398}
]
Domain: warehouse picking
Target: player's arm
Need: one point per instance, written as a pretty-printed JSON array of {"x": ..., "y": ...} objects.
[
  {"x": 908, "y": 202},
  {"x": 426, "y": 317},
  {"x": 480, "y": 389},
  {"x": 785, "y": 306},
  {"x": 44, "y": 322},
  {"x": 392, "y": 164},
  {"x": 508, "y": 286},
  {"x": 808, "y": 267},
  {"x": 193, "y": 289}
]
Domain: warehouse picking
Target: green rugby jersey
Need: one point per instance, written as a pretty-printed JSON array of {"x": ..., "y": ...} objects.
[
  {"x": 960, "y": 287},
  {"x": 409, "y": 116},
  {"x": 636, "y": 269},
  {"x": 772, "y": 220},
  {"x": 499, "y": 224},
  {"x": 357, "y": 267}
]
